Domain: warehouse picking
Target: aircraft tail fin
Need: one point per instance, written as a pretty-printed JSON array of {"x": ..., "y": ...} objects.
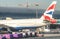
[{"x": 49, "y": 12}]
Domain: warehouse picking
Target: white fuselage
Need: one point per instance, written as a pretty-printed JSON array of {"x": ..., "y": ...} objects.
[{"x": 23, "y": 22}]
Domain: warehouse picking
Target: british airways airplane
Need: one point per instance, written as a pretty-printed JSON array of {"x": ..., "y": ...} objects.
[{"x": 31, "y": 23}]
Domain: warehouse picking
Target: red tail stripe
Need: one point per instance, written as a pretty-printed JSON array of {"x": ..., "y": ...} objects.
[
  {"x": 51, "y": 7},
  {"x": 47, "y": 17}
]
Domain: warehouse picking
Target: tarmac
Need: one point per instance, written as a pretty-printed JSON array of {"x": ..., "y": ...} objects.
[
  {"x": 55, "y": 37},
  {"x": 46, "y": 36},
  {"x": 51, "y": 35}
]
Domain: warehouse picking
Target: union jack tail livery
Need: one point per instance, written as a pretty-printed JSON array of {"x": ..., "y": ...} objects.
[{"x": 49, "y": 12}]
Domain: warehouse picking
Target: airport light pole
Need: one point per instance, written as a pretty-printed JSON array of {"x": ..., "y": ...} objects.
[
  {"x": 36, "y": 9},
  {"x": 27, "y": 4}
]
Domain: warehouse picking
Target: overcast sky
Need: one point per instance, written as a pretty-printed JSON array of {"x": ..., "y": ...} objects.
[{"x": 43, "y": 4}]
